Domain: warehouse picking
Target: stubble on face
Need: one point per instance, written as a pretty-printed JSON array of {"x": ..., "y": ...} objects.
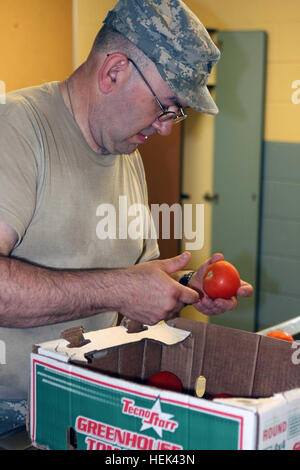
[
  {"x": 126, "y": 119},
  {"x": 126, "y": 125}
]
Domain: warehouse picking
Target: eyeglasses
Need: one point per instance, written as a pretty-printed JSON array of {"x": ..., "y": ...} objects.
[{"x": 166, "y": 115}]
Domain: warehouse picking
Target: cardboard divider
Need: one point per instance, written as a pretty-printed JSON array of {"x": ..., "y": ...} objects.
[
  {"x": 275, "y": 368},
  {"x": 176, "y": 359},
  {"x": 131, "y": 360},
  {"x": 229, "y": 361},
  {"x": 195, "y": 362},
  {"x": 235, "y": 362},
  {"x": 151, "y": 359},
  {"x": 107, "y": 361}
]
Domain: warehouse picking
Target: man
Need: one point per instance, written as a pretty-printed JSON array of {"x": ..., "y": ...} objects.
[{"x": 69, "y": 147}]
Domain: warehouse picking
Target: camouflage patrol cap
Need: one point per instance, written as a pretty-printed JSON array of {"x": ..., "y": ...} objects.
[{"x": 169, "y": 33}]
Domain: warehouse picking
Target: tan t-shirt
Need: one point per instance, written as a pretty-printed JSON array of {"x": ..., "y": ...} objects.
[{"x": 53, "y": 188}]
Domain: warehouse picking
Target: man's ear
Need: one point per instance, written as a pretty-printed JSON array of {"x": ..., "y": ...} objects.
[{"x": 114, "y": 70}]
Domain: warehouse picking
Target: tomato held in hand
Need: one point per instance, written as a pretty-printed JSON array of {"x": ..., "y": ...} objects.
[
  {"x": 279, "y": 334},
  {"x": 221, "y": 280},
  {"x": 166, "y": 381}
]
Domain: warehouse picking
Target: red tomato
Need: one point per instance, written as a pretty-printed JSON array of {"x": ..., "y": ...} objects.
[
  {"x": 221, "y": 280},
  {"x": 221, "y": 395},
  {"x": 280, "y": 335},
  {"x": 166, "y": 381}
]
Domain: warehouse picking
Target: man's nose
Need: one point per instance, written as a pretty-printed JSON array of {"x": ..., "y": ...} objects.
[{"x": 163, "y": 127}]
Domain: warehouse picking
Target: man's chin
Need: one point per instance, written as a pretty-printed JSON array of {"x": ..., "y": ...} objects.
[
  {"x": 130, "y": 145},
  {"x": 129, "y": 148}
]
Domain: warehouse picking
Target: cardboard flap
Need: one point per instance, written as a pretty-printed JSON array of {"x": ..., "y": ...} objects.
[
  {"x": 112, "y": 337},
  {"x": 258, "y": 405}
]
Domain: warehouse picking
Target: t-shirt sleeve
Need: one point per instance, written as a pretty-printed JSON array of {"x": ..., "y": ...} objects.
[{"x": 18, "y": 172}]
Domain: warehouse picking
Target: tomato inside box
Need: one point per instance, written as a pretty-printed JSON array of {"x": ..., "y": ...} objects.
[{"x": 100, "y": 399}]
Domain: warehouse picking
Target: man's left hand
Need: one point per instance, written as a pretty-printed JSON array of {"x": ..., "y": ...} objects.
[{"x": 209, "y": 306}]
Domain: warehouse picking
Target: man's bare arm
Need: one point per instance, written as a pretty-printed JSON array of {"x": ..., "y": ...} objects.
[{"x": 33, "y": 296}]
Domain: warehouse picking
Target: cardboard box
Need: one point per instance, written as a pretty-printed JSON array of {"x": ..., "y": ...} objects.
[{"x": 95, "y": 397}]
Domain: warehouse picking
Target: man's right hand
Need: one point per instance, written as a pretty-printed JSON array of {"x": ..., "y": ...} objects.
[{"x": 149, "y": 294}]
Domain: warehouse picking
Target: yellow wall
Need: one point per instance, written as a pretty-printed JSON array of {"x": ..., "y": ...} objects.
[
  {"x": 36, "y": 41},
  {"x": 88, "y": 18}
]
